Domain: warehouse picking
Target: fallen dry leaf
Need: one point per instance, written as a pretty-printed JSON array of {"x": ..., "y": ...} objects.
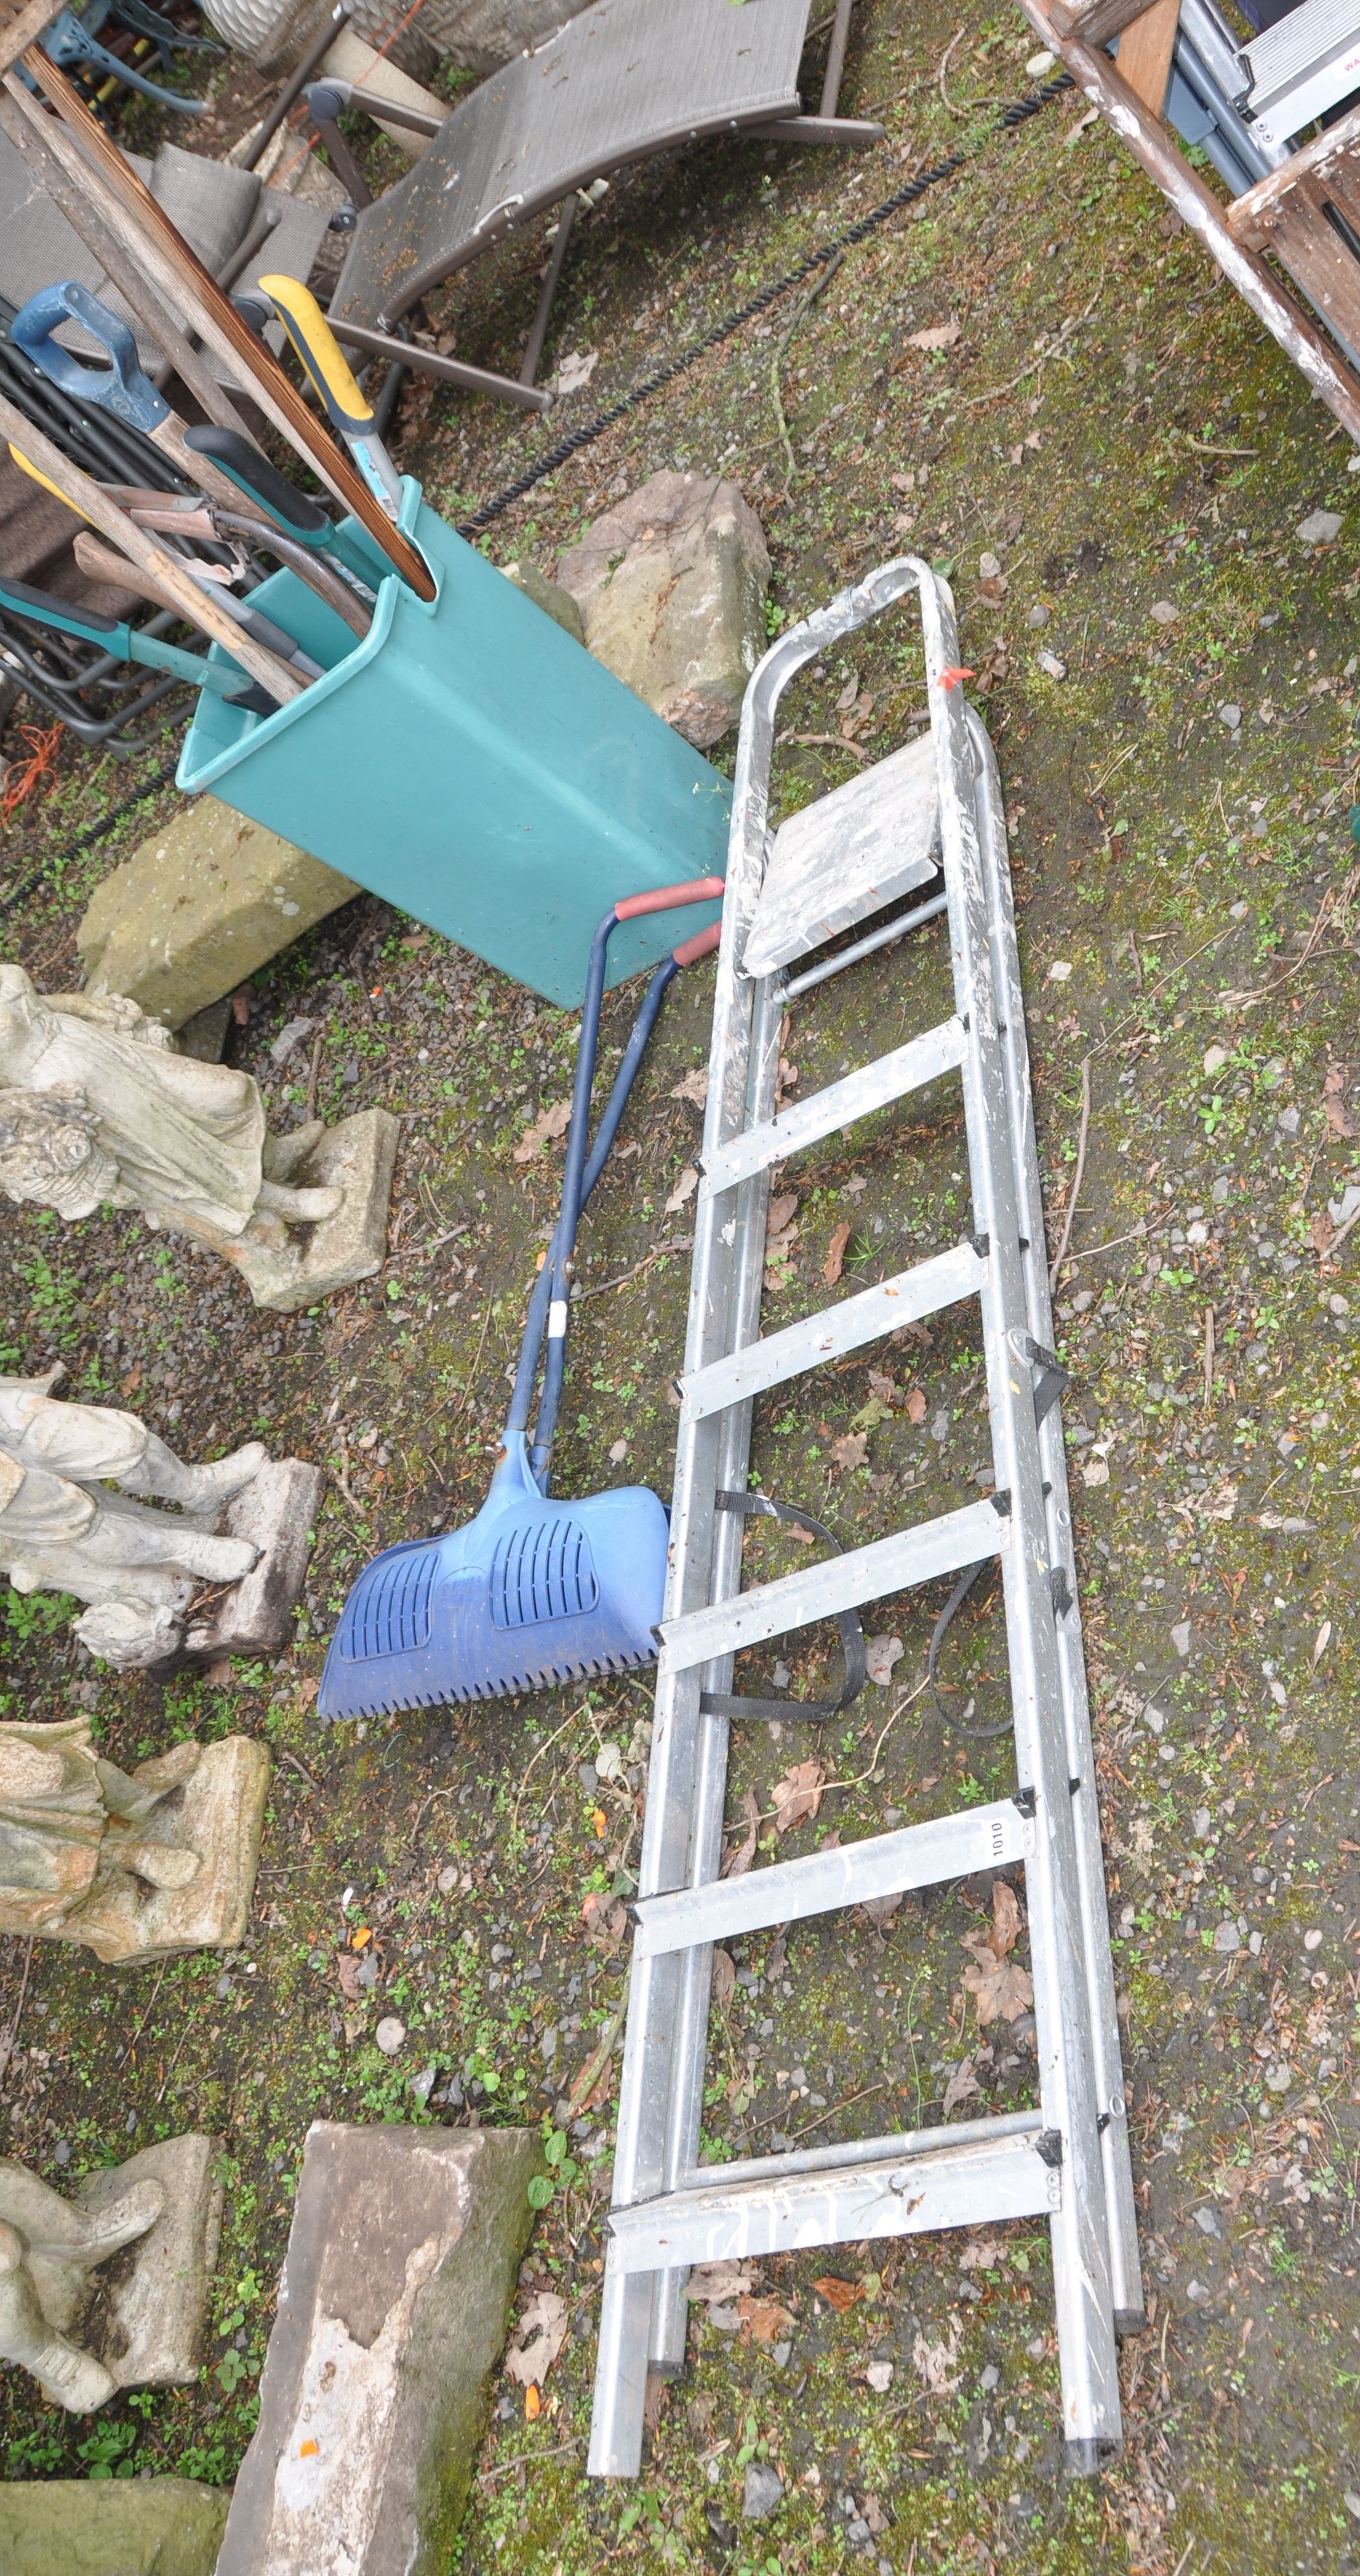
[
  {"x": 984, "y": 2254},
  {"x": 934, "y": 2361},
  {"x": 533, "y": 2403},
  {"x": 1000, "y": 1990},
  {"x": 885, "y": 1388},
  {"x": 797, "y": 1796},
  {"x": 764, "y": 2320},
  {"x": 835, "y": 1253},
  {"x": 693, "y": 1087},
  {"x": 347, "y": 1970},
  {"x": 880, "y": 1654},
  {"x": 1334, "y": 1101},
  {"x": 576, "y": 370},
  {"x": 1005, "y": 1931},
  {"x": 739, "y": 1861},
  {"x": 879, "y": 1910},
  {"x": 716, "y": 2283},
  {"x": 684, "y": 1189},
  {"x": 543, "y": 1130},
  {"x": 540, "y": 2335},
  {"x": 840, "y": 2295},
  {"x": 849, "y": 1450},
  {"x": 780, "y": 1214},
  {"x": 724, "y": 1977},
  {"x": 942, "y": 335},
  {"x": 1322, "y": 1231},
  {"x": 994, "y": 666},
  {"x": 606, "y": 1920},
  {"x": 963, "y": 2086},
  {"x": 916, "y": 1405}
]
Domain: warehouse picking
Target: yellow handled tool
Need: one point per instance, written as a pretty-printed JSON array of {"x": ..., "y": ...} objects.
[{"x": 342, "y": 400}]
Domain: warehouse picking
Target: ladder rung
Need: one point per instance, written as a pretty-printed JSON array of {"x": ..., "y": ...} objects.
[
  {"x": 964, "y": 2186},
  {"x": 723, "y": 1909},
  {"x": 870, "y": 1573},
  {"x": 920, "y": 1061},
  {"x": 923, "y": 1290}
]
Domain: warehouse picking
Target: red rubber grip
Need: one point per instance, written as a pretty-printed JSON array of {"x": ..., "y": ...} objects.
[
  {"x": 668, "y": 898},
  {"x": 701, "y": 945}
]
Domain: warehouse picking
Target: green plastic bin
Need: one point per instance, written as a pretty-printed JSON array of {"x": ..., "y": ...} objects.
[{"x": 471, "y": 764}]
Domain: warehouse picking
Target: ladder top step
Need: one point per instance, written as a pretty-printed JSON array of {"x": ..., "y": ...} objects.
[{"x": 845, "y": 856}]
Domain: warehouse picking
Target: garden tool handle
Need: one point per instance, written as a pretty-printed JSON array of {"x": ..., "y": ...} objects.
[
  {"x": 669, "y": 898},
  {"x": 24, "y": 599},
  {"x": 345, "y": 406},
  {"x": 127, "y": 645},
  {"x": 702, "y": 944},
  {"x": 121, "y": 388},
  {"x": 297, "y": 514}
]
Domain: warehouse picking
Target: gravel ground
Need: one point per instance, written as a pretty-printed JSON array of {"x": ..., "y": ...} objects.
[{"x": 1110, "y": 427}]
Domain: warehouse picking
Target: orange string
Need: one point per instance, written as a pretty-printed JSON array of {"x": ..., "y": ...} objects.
[{"x": 23, "y": 777}]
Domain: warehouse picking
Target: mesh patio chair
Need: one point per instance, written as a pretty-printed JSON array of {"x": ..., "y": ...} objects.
[
  {"x": 620, "y": 83},
  {"x": 239, "y": 228}
]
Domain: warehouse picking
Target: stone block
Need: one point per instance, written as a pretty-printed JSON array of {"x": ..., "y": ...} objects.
[
  {"x": 198, "y": 908},
  {"x": 111, "y": 2526},
  {"x": 145, "y": 2321},
  {"x": 671, "y": 585},
  {"x": 550, "y": 596},
  {"x": 392, "y": 2311},
  {"x": 277, "y": 1512},
  {"x": 219, "y": 1813}
]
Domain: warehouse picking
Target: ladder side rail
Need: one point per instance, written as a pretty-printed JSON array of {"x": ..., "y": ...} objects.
[
  {"x": 1078, "y": 2226},
  {"x": 647, "y": 2059},
  {"x": 1126, "y": 2269},
  {"x": 689, "y": 2055}
]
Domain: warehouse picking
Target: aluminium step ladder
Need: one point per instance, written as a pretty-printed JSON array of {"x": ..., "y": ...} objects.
[{"x": 1068, "y": 2159}]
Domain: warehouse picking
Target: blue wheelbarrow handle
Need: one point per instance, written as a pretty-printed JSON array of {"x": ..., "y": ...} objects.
[
  {"x": 120, "y": 388},
  {"x": 128, "y": 644}
]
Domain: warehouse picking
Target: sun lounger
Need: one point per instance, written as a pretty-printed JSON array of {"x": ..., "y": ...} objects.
[{"x": 623, "y": 81}]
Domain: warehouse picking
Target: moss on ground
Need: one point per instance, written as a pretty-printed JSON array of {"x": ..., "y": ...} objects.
[{"x": 1113, "y": 428}]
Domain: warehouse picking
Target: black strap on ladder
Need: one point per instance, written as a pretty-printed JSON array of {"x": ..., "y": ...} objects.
[
  {"x": 738, "y": 1703},
  {"x": 1050, "y": 1380}
]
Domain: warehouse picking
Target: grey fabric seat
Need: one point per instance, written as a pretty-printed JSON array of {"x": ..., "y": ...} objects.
[
  {"x": 622, "y": 81},
  {"x": 213, "y": 205}
]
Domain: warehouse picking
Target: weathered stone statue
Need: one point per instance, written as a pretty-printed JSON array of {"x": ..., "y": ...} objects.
[
  {"x": 133, "y": 1864},
  {"x": 97, "y": 1108},
  {"x": 146, "y": 2323},
  {"x": 63, "y": 1530}
]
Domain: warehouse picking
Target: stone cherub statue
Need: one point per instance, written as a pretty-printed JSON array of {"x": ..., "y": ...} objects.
[
  {"x": 47, "y": 2251},
  {"x": 77, "y": 1484},
  {"x": 97, "y": 1108},
  {"x": 133, "y": 1864},
  {"x": 84, "y": 2336},
  {"x": 62, "y": 1530}
]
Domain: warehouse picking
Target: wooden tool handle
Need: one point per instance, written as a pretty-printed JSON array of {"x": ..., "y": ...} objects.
[
  {"x": 90, "y": 501},
  {"x": 213, "y": 315},
  {"x": 21, "y": 27},
  {"x": 102, "y": 563}
]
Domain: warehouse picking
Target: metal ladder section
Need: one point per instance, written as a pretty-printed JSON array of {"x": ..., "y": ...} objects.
[{"x": 1068, "y": 2159}]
